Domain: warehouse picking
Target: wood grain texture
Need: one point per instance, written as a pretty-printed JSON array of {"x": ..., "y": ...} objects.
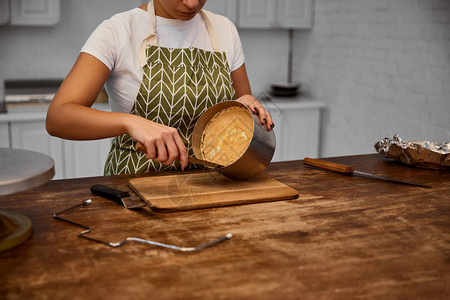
[
  {"x": 344, "y": 238},
  {"x": 206, "y": 190}
]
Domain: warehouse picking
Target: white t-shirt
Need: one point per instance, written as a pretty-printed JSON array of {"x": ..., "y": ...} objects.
[{"x": 116, "y": 43}]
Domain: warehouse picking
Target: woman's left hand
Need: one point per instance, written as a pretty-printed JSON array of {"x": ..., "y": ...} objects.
[{"x": 258, "y": 109}]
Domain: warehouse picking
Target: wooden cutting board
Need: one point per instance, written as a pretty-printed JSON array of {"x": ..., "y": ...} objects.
[{"x": 206, "y": 190}]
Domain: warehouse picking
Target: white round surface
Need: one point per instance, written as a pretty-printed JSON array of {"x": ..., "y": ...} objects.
[{"x": 21, "y": 170}]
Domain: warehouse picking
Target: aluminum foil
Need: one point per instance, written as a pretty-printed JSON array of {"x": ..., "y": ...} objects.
[{"x": 422, "y": 154}]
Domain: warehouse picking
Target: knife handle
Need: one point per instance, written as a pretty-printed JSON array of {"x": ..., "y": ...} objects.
[
  {"x": 109, "y": 193},
  {"x": 140, "y": 147},
  {"x": 193, "y": 160},
  {"x": 327, "y": 165}
]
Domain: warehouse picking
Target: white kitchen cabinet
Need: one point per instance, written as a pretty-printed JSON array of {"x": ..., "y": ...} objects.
[
  {"x": 32, "y": 135},
  {"x": 4, "y": 11},
  {"x": 35, "y": 12},
  {"x": 4, "y": 135},
  {"x": 297, "y": 127},
  {"x": 294, "y": 14},
  {"x": 265, "y": 14},
  {"x": 85, "y": 158},
  {"x": 23, "y": 127},
  {"x": 225, "y": 8},
  {"x": 257, "y": 14}
]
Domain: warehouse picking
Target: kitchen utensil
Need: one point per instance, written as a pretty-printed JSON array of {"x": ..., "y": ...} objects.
[
  {"x": 286, "y": 89},
  {"x": 123, "y": 198},
  {"x": 15, "y": 229},
  {"x": 343, "y": 169},
  {"x": 207, "y": 189},
  {"x": 23, "y": 169},
  {"x": 286, "y": 86},
  {"x": 141, "y": 148},
  {"x": 87, "y": 229},
  {"x": 20, "y": 170},
  {"x": 31, "y": 90},
  {"x": 256, "y": 157}
]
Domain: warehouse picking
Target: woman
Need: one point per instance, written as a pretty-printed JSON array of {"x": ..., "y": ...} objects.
[{"x": 164, "y": 64}]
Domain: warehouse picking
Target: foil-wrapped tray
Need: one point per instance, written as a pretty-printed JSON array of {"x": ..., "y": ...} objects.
[{"x": 422, "y": 154}]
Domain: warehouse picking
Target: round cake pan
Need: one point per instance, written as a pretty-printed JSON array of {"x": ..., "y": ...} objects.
[{"x": 256, "y": 157}]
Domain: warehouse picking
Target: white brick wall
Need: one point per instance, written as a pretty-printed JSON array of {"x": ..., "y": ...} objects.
[{"x": 382, "y": 67}]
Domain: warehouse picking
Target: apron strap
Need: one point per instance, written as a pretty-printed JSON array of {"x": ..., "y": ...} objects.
[
  {"x": 152, "y": 38},
  {"x": 211, "y": 32}
]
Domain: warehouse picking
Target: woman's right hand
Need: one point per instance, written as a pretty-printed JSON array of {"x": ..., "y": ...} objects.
[{"x": 163, "y": 143}]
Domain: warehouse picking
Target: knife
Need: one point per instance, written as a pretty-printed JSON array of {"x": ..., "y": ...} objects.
[
  {"x": 343, "y": 169},
  {"x": 141, "y": 148},
  {"x": 123, "y": 198}
]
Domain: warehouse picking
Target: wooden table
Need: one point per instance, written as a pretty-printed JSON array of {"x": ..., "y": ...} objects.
[{"x": 344, "y": 237}]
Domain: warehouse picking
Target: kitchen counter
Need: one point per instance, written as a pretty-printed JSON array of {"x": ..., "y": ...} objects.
[
  {"x": 297, "y": 130},
  {"x": 34, "y": 111},
  {"x": 344, "y": 237},
  {"x": 38, "y": 111}
]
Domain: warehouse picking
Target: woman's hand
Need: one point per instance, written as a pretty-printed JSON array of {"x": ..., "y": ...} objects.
[
  {"x": 257, "y": 108},
  {"x": 241, "y": 86},
  {"x": 163, "y": 143}
]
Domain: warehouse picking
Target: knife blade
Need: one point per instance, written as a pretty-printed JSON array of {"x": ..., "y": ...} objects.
[
  {"x": 194, "y": 160},
  {"x": 141, "y": 148},
  {"x": 123, "y": 198},
  {"x": 347, "y": 170}
]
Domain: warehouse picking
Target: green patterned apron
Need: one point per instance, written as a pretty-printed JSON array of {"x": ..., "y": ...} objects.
[{"x": 178, "y": 85}]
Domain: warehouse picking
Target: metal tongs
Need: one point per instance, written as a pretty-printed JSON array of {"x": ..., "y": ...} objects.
[{"x": 87, "y": 229}]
